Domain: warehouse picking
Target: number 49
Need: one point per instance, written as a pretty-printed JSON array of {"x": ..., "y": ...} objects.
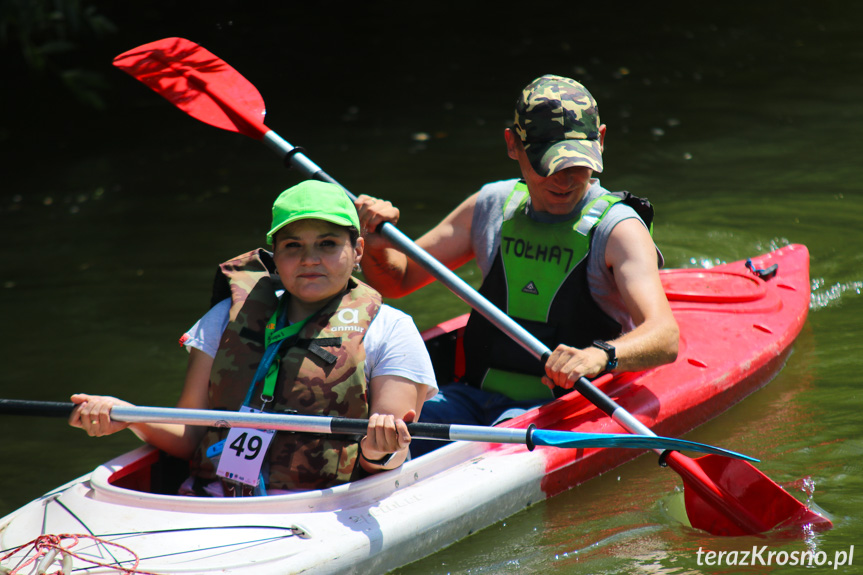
[{"x": 241, "y": 446}]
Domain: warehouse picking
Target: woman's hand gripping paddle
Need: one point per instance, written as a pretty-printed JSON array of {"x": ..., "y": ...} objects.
[{"x": 723, "y": 496}]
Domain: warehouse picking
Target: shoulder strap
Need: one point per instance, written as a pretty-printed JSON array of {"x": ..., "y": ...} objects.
[
  {"x": 594, "y": 212},
  {"x": 516, "y": 200},
  {"x": 257, "y": 260}
]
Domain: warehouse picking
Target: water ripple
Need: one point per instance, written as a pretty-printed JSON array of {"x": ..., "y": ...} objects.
[{"x": 830, "y": 296}]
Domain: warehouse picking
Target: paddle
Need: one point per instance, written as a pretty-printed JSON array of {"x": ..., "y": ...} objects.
[
  {"x": 721, "y": 498},
  {"x": 342, "y": 425}
]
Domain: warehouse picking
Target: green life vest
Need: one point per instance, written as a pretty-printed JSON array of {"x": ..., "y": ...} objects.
[
  {"x": 539, "y": 278},
  {"x": 538, "y": 257}
]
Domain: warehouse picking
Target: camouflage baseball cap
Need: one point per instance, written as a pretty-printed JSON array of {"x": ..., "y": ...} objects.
[
  {"x": 558, "y": 121},
  {"x": 316, "y": 200}
]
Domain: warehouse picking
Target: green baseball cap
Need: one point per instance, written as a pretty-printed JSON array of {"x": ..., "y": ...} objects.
[
  {"x": 316, "y": 200},
  {"x": 558, "y": 122}
]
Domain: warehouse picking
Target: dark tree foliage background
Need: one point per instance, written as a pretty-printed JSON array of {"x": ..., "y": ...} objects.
[{"x": 398, "y": 56}]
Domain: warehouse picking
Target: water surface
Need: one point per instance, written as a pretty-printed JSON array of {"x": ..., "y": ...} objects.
[{"x": 740, "y": 121}]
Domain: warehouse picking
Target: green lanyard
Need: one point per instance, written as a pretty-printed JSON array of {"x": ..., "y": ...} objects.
[{"x": 274, "y": 334}]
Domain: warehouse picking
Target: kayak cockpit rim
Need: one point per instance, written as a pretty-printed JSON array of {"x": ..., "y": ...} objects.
[{"x": 107, "y": 483}]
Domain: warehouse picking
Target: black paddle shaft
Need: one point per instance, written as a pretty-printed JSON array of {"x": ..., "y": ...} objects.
[
  {"x": 43, "y": 408},
  {"x": 360, "y": 426}
]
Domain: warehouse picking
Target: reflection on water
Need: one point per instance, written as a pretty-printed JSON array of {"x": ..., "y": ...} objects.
[{"x": 740, "y": 122}]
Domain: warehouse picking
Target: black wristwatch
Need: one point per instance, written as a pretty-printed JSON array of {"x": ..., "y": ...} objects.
[
  {"x": 609, "y": 351},
  {"x": 383, "y": 461}
]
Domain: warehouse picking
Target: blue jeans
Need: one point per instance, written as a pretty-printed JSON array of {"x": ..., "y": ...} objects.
[{"x": 467, "y": 405}]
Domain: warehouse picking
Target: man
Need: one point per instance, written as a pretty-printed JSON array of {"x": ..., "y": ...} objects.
[{"x": 571, "y": 262}]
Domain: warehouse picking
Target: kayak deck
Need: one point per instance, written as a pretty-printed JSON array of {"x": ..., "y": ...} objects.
[{"x": 736, "y": 333}]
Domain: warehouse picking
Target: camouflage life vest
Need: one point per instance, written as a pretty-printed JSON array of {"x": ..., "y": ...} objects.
[{"x": 321, "y": 373}]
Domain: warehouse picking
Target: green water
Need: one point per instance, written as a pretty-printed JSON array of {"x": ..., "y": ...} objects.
[{"x": 740, "y": 121}]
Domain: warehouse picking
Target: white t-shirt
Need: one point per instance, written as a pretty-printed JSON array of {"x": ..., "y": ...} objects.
[{"x": 393, "y": 344}]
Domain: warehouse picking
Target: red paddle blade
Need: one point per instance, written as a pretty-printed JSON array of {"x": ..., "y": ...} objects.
[
  {"x": 199, "y": 83},
  {"x": 731, "y": 497}
]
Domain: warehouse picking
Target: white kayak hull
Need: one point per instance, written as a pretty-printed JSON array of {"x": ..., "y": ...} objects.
[{"x": 370, "y": 526}]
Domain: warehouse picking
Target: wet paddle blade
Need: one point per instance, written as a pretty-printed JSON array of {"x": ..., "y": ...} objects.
[
  {"x": 199, "y": 83},
  {"x": 731, "y": 497},
  {"x": 573, "y": 439}
]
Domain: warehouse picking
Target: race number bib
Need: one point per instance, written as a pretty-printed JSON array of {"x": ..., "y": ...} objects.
[{"x": 244, "y": 452}]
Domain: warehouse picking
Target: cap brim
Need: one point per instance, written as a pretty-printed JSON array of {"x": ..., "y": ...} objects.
[
  {"x": 332, "y": 218},
  {"x": 550, "y": 158}
]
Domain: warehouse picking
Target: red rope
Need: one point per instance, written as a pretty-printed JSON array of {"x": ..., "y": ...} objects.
[{"x": 44, "y": 544}]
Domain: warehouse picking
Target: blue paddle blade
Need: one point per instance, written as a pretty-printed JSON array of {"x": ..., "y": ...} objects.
[{"x": 554, "y": 438}]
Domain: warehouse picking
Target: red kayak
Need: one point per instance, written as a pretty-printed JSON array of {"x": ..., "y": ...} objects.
[{"x": 736, "y": 331}]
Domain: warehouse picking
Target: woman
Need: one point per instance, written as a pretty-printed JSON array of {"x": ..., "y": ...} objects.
[{"x": 324, "y": 346}]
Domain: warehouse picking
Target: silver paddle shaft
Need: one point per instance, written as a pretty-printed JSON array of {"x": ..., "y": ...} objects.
[
  {"x": 463, "y": 290},
  {"x": 407, "y": 246}
]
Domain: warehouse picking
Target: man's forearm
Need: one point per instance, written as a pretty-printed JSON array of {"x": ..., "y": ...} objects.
[{"x": 647, "y": 346}]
